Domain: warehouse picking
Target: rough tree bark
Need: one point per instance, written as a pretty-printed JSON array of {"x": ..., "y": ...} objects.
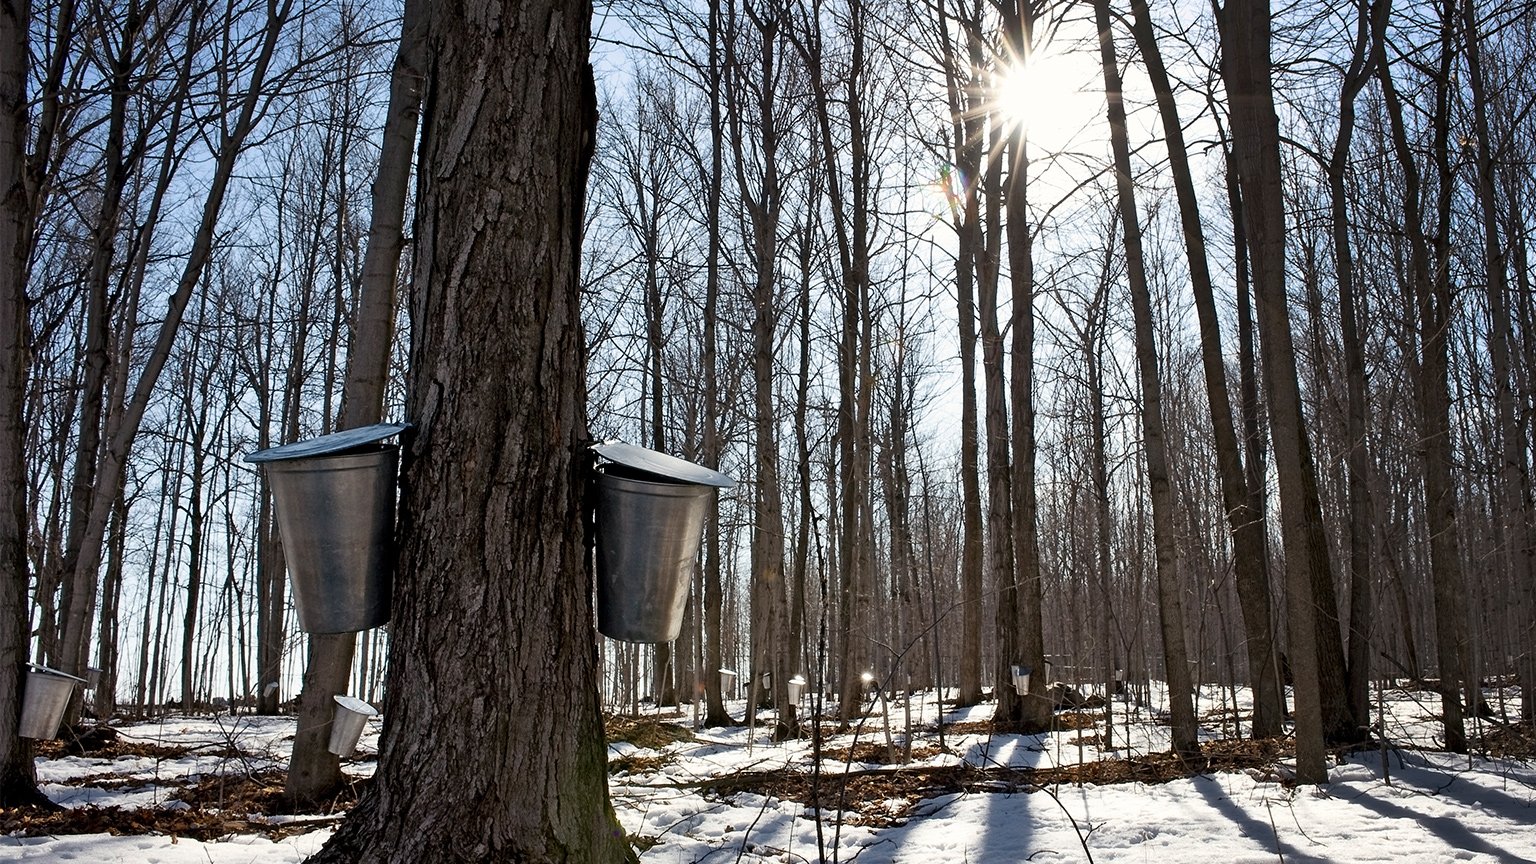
[
  {"x": 18, "y": 782},
  {"x": 493, "y": 747}
]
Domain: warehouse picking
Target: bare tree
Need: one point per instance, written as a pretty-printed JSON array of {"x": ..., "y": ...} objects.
[
  {"x": 314, "y": 772},
  {"x": 18, "y": 781},
  {"x": 1245, "y": 42},
  {"x": 493, "y": 621},
  {"x": 1249, "y": 549},
  {"x": 1170, "y": 607}
]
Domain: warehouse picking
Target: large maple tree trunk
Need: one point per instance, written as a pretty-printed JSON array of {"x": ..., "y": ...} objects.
[{"x": 493, "y": 745}]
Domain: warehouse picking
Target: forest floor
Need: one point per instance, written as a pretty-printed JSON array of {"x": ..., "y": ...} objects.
[{"x": 890, "y": 789}]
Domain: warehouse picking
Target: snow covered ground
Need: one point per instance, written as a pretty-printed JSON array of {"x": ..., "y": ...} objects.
[{"x": 724, "y": 795}]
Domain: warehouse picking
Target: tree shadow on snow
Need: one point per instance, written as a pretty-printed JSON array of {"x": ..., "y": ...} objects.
[{"x": 1266, "y": 835}]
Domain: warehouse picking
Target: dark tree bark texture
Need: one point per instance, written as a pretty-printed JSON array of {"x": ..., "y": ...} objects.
[
  {"x": 493, "y": 747},
  {"x": 18, "y": 783}
]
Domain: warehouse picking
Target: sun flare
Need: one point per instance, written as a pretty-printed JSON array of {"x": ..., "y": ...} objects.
[{"x": 1050, "y": 95}]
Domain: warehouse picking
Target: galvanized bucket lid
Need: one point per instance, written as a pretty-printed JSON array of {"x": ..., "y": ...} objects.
[
  {"x": 44, "y": 670},
  {"x": 660, "y": 464},
  {"x": 325, "y": 445}
]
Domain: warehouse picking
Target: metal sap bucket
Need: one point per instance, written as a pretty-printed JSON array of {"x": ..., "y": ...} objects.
[
  {"x": 335, "y": 503},
  {"x": 347, "y": 726},
  {"x": 796, "y": 688},
  {"x": 650, "y": 520},
  {"x": 44, "y": 698}
]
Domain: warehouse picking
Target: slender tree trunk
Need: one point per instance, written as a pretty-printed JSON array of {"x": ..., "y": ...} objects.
[
  {"x": 848, "y": 194},
  {"x": 105, "y": 697},
  {"x": 1170, "y": 607},
  {"x": 966, "y": 128},
  {"x": 1034, "y": 710},
  {"x": 1516, "y": 521},
  {"x": 1251, "y": 569},
  {"x": 1001, "y": 560},
  {"x": 714, "y": 713},
  {"x": 1358, "y": 458},
  {"x": 763, "y": 203},
  {"x": 1093, "y": 352},
  {"x": 1430, "y": 290},
  {"x": 18, "y": 780},
  {"x": 1245, "y": 39},
  {"x": 314, "y": 773}
]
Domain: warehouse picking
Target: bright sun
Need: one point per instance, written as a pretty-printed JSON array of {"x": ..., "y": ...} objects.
[{"x": 1052, "y": 96}]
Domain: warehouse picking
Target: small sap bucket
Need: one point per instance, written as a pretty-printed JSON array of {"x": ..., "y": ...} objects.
[
  {"x": 1021, "y": 675},
  {"x": 335, "y": 503},
  {"x": 347, "y": 726},
  {"x": 651, "y": 509},
  {"x": 727, "y": 683},
  {"x": 796, "y": 688},
  {"x": 43, "y": 701}
]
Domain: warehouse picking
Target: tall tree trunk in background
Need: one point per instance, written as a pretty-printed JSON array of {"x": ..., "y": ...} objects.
[
  {"x": 1516, "y": 521},
  {"x": 1245, "y": 43},
  {"x": 655, "y": 317},
  {"x": 1092, "y": 339},
  {"x": 105, "y": 698},
  {"x": 1170, "y": 606},
  {"x": 798, "y": 653},
  {"x": 769, "y": 603},
  {"x": 197, "y": 442},
  {"x": 715, "y": 713},
  {"x": 494, "y": 748},
  {"x": 1358, "y": 458},
  {"x": 18, "y": 778},
  {"x": 1035, "y": 709},
  {"x": 966, "y": 129},
  {"x": 314, "y": 773},
  {"x": 848, "y": 194},
  {"x": 1429, "y": 284},
  {"x": 1001, "y": 560},
  {"x": 1246, "y": 525}
]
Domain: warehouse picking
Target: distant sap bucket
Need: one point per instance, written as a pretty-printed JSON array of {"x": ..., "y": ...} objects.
[
  {"x": 44, "y": 698},
  {"x": 651, "y": 509},
  {"x": 796, "y": 688},
  {"x": 347, "y": 726},
  {"x": 727, "y": 681},
  {"x": 335, "y": 502}
]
